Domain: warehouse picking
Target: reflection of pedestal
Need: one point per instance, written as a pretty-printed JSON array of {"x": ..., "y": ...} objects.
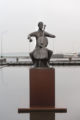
[{"x": 42, "y": 95}]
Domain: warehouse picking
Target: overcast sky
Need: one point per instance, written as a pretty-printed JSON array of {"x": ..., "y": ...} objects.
[{"x": 18, "y": 18}]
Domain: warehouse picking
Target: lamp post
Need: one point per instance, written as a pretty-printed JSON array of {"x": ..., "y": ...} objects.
[{"x": 2, "y": 34}]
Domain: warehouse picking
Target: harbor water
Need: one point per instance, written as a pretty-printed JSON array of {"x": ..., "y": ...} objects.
[{"x": 14, "y": 92}]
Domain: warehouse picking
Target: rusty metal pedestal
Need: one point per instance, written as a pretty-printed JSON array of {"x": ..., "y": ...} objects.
[{"x": 42, "y": 95}]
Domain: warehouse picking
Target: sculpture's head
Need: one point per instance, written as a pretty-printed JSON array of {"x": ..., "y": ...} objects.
[{"x": 40, "y": 25}]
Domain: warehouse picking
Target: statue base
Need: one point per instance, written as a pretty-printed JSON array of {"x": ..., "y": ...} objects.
[
  {"x": 42, "y": 87},
  {"x": 42, "y": 95}
]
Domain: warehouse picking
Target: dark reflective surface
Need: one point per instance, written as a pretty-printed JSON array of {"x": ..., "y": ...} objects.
[
  {"x": 14, "y": 93},
  {"x": 42, "y": 116}
]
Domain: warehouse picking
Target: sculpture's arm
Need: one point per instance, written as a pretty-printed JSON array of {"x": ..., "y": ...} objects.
[
  {"x": 49, "y": 35},
  {"x": 31, "y": 35}
]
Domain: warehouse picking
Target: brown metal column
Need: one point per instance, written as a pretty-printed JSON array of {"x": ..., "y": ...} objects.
[
  {"x": 42, "y": 95},
  {"x": 42, "y": 87},
  {"x": 42, "y": 92}
]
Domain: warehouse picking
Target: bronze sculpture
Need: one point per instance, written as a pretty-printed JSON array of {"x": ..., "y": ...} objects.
[
  {"x": 41, "y": 81},
  {"x": 41, "y": 55}
]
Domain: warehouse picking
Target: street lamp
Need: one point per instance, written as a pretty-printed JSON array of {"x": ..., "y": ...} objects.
[{"x": 2, "y": 34}]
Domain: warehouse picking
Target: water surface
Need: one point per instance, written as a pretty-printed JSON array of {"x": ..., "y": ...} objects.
[{"x": 14, "y": 92}]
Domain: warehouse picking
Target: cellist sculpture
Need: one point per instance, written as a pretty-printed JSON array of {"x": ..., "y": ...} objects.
[
  {"x": 41, "y": 55},
  {"x": 41, "y": 80}
]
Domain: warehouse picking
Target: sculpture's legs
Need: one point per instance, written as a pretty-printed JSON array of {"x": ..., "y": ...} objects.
[{"x": 44, "y": 62}]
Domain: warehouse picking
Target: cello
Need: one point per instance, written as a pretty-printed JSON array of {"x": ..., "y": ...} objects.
[{"x": 42, "y": 41}]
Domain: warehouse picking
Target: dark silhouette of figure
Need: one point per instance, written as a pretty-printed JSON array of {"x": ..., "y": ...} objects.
[{"x": 41, "y": 55}]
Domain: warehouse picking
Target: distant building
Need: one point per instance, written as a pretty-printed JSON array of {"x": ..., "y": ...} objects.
[{"x": 58, "y": 56}]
